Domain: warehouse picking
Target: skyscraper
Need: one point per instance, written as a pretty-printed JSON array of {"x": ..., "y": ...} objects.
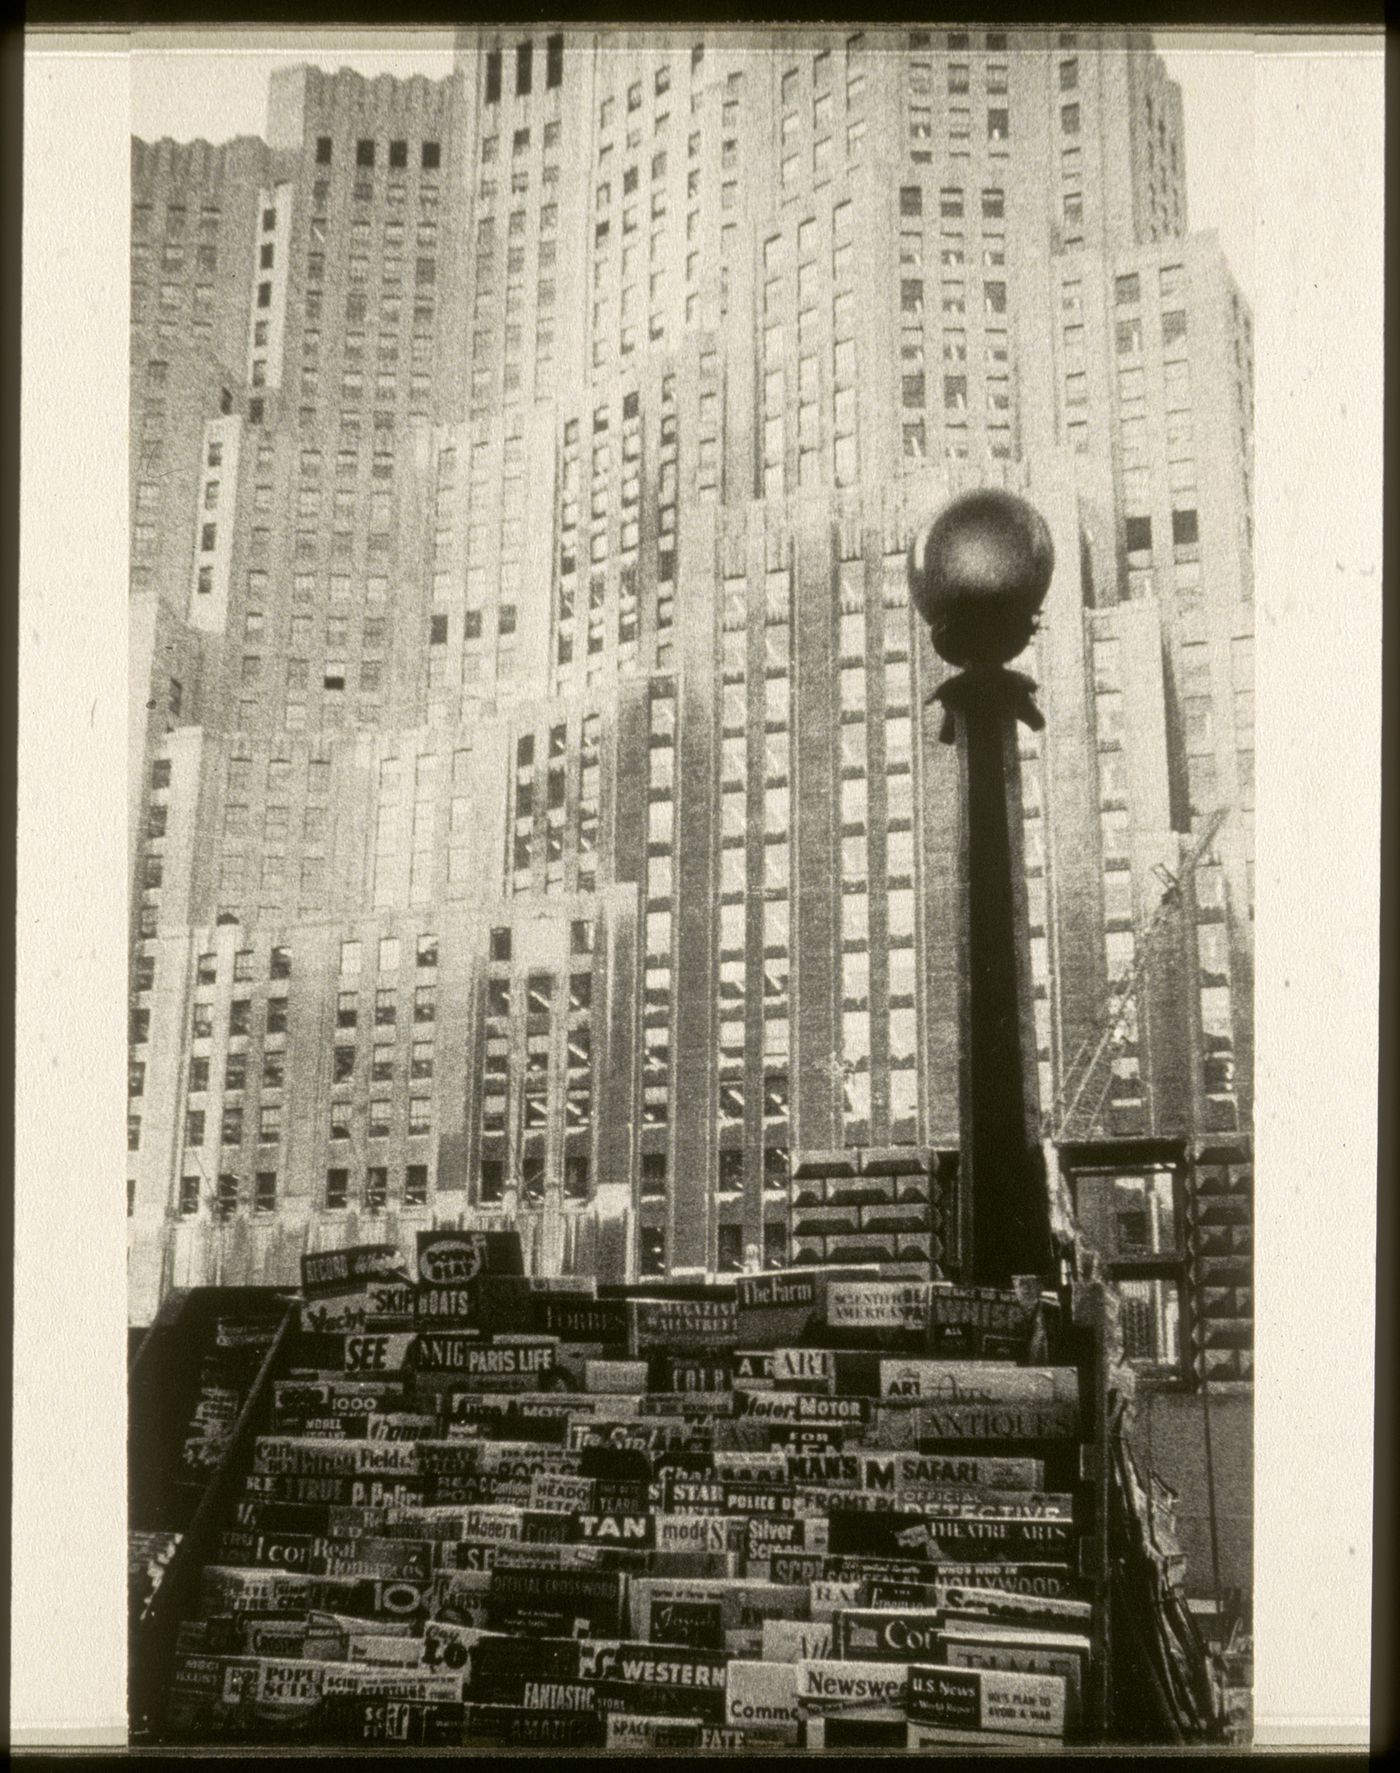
[{"x": 536, "y": 814}]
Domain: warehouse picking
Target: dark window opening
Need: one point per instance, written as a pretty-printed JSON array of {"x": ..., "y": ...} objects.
[
  {"x": 364, "y": 153},
  {"x": 524, "y": 68},
  {"x": 652, "y": 1251},
  {"x": 554, "y": 60},
  {"x": 576, "y": 1178},
  {"x": 323, "y": 150},
  {"x": 398, "y": 153}
]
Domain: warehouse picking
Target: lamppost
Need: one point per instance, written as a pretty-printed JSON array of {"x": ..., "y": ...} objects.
[{"x": 978, "y": 575}]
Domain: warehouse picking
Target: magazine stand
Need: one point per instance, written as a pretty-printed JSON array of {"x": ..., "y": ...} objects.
[{"x": 169, "y": 1500}]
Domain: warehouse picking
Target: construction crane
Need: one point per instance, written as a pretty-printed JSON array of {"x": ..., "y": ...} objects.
[{"x": 1090, "y": 1069}]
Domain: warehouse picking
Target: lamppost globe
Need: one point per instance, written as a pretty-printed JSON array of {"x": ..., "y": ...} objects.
[{"x": 978, "y": 575}]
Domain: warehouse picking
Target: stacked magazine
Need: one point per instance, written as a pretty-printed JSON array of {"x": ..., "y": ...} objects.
[{"x": 815, "y": 1508}]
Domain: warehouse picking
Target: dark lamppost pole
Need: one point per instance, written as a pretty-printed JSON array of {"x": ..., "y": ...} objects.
[{"x": 978, "y": 576}]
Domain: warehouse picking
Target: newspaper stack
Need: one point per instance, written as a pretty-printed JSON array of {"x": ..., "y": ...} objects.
[{"x": 811, "y": 1508}]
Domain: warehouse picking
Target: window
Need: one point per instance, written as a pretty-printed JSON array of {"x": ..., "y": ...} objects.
[
  {"x": 554, "y": 60},
  {"x": 323, "y": 150},
  {"x": 1131, "y": 1219},
  {"x": 524, "y": 68},
  {"x": 651, "y": 1251},
  {"x": 491, "y": 1180}
]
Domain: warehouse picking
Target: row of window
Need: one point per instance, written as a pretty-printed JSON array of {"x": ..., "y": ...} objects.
[
  {"x": 1185, "y": 532},
  {"x": 230, "y": 1194},
  {"x": 176, "y": 216},
  {"x": 240, "y": 1015},
  {"x": 390, "y": 950},
  {"x": 367, "y": 149},
  {"x": 525, "y": 68}
]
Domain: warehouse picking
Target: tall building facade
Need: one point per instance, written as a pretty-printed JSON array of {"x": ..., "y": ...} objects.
[{"x": 537, "y": 814}]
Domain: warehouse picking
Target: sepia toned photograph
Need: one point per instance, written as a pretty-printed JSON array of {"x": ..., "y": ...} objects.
[{"x": 690, "y": 903}]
